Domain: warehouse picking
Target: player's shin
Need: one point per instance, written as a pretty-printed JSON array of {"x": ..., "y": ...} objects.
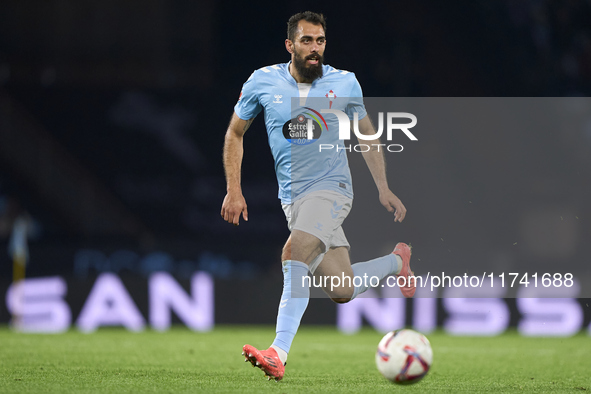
[
  {"x": 294, "y": 300},
  {"x": 380, "y": 267}
]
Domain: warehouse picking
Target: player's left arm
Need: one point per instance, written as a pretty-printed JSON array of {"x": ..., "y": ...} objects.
[{"x": 377, "y": 166}]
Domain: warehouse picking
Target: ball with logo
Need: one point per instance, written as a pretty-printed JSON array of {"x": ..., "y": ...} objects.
[{"x": 404, "y": 356}]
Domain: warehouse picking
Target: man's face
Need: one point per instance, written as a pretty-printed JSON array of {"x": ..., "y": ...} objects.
[{"x": 308, "y": 50}]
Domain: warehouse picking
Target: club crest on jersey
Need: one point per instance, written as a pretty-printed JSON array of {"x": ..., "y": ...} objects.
[
  {"x": 278, "y": 99},
  {"x": 330, "y": 96},
  {"x": 306, "y": 128}
]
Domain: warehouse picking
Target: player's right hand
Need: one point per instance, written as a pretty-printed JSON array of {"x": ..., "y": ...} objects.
[{"x": 234, "y": 204}]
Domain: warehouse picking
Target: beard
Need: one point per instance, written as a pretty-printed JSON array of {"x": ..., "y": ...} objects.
[{"x": 308, "y": 72}]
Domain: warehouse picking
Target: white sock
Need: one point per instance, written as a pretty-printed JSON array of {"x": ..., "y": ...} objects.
[{"x": 281, "y": 353}]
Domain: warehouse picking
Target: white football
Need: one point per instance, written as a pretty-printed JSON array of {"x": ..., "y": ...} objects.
[{"x": 404, "y": 356}]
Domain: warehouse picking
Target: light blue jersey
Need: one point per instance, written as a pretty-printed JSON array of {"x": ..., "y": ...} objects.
[{"x": 300, "y": 165}]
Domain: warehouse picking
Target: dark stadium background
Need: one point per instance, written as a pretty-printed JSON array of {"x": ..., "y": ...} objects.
[{"x": 113, "y": 114}]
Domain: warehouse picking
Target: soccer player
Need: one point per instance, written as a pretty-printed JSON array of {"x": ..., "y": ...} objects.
[{"x": 315, "y": 185}]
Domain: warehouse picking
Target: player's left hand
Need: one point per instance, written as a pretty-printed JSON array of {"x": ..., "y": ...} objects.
[{"x": 393, "y": 205}]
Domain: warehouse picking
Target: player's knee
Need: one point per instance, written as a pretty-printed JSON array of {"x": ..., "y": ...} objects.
[
  {"x": 341, "y": 300},
  {"x": 342, "y": 296},
  {"x": 286, "y": 253}
]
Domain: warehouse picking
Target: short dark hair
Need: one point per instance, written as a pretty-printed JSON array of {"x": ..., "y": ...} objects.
[{"x": 308, "y": 16}]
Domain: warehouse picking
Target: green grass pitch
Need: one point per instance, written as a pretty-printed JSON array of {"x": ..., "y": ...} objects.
[{"x": 322, "y": 360}]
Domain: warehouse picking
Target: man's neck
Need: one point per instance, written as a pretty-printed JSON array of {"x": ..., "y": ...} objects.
[{"x": 296, "y": 75}]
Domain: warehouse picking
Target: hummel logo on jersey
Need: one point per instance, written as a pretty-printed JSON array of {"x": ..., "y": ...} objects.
[
  {"x": 283, "y": 303},
  {"x": 318, "y": 226},
  {"x": 278, "y": 99}
]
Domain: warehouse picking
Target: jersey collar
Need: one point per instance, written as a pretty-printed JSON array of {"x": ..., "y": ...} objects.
[{"x": 292, "y": 79}]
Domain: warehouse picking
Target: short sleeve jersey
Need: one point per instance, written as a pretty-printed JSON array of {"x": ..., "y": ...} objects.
[{"x": 300, "y": 165}]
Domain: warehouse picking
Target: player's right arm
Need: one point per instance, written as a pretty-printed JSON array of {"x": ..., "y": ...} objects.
[{"x": 234, "y": 203}]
